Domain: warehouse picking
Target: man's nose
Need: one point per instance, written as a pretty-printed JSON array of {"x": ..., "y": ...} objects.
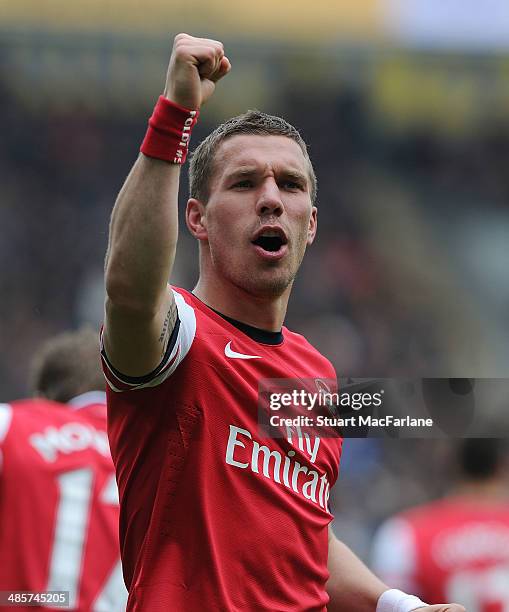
[{"x": 269, "y": 199}]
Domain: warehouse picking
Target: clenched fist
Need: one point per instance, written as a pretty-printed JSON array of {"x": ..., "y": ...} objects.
[{"x": 196, "y": 64}]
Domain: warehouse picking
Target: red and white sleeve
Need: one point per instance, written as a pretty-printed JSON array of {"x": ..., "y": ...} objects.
[{"x": 178, "y": 346}]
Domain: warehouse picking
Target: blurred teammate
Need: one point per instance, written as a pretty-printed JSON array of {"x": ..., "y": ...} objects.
[
  {"x": 457, "y": 547},
  {"x": 58, "y": 495},
  {"x": 214, "y": 516}
]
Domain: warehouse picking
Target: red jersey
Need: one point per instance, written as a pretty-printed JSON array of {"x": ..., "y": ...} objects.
[
  {"x": 212, "y": 515},
  {"x": 59, "y": 503},
  {"x": 449, "y": 550}
]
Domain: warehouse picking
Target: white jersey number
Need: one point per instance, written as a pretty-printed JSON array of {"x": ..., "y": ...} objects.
[{"x": 75, "y": 488}]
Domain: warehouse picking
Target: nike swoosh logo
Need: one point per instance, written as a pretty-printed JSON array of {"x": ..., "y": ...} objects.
[{"x": 229, "y": 352}]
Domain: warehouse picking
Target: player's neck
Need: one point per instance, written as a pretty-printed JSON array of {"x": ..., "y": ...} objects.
[
  {"x": 266, "y": 313},
  {"x": 485, "y": 491}
]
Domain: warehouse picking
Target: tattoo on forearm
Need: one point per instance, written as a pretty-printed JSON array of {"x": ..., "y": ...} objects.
[{"x": 168, "y": 325}]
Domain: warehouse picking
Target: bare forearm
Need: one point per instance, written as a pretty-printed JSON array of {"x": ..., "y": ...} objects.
[
  {"x": 351, "y": 586},
  {"x": 143, "y": 234}
]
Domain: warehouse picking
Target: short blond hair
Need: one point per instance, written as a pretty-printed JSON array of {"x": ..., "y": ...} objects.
[{"x": 253, "y": 122}]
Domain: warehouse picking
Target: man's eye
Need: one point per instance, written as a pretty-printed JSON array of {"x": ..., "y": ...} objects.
[
  {"x": 292, "y": 185},
  {"x": 243, "y": 185}
]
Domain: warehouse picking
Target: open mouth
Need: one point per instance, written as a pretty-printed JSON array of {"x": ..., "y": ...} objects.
[
  {"x": 269, "y": 243},
  {"x": 270, "y": 240}
]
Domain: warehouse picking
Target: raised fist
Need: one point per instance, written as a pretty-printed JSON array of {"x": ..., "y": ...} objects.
[{"x": 196, "y": 64}]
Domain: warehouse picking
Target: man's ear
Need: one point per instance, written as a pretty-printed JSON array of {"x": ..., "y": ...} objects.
[
  {"x": 196, "y": 219},
  {"x": 313, "y": 220}
]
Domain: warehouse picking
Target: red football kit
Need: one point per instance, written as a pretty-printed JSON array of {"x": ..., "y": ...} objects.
[
  {"x": 59, "y": 503},
  {"x": 213, "y": 515},
  {"x": 450, "y": 550}
]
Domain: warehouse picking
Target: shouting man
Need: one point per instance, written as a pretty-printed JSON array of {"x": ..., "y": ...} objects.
[{"x": 212, "y": 516}]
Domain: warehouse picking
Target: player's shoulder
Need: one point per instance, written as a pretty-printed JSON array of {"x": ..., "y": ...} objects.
[
  {"x": 90, "y": 405},
  {"x": 24, "y": 416},
  {"x": 182, "y": 295},
  {"x": 407, "y": 520},
  {"x": 191, "y": 309},
  {"x": 204, "y": 324},
  {"x": 36, "y": 406},
  {"x": 297, "y": 342},
  {"x": 430, "y": 515},
  {"x": 297, "y": 339},
  {"x": 41, "y": 411},
  {"x": 455, "y": 509},
  {"x": 57, "y": 433}
]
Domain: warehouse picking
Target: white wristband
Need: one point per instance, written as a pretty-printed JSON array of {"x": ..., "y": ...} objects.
[{"x": 394, "y": 600}]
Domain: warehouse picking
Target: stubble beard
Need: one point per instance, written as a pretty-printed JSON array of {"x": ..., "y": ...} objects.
[
  {"x": 268, "y": 280},
  {"x": 269, "y": 285},
  {"x": 262, "y": 279}
]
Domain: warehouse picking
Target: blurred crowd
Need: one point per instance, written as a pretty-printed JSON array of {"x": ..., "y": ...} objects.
[{"x": 404, "y": 279}]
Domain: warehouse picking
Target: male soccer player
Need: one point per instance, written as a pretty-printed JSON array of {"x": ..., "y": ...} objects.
[
  {"x": 457, "y": 547},
  {"x": 214, "y": 516},
  {"x": 58, "y": 495}
]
